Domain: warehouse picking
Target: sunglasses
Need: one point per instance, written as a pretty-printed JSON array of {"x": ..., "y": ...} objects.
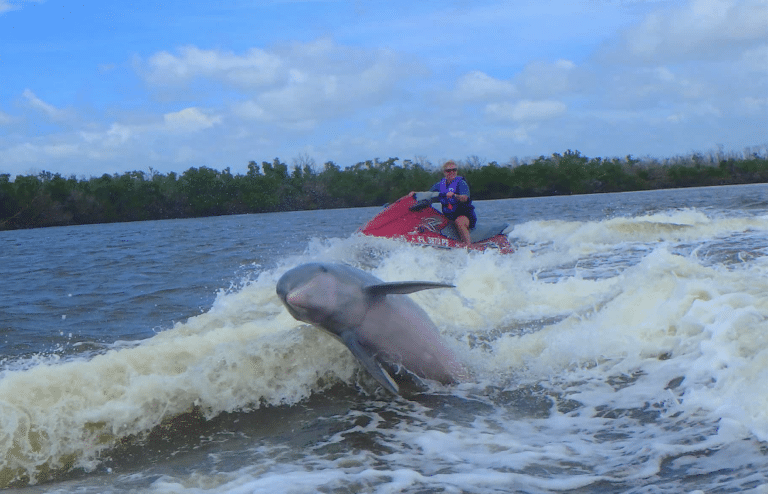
[{"x": 450, "y": 170}]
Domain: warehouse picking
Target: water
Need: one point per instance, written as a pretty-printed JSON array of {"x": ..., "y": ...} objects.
[{"x": 622, "y": 348}]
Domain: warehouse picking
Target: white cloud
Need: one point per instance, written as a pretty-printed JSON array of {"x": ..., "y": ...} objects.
[
  {"x": 702, "y": 29},
  {"x": 334, "y": 82},
  {"x": 249, "y": 110},
  {"x": 115, "y": 136},
  {"x": 662, "y": 82},
  {"x": 5, "y": 119},
  {"x": 756, "y": 59},
  {"x": 526, "y": 110},
  {"x": 547, "y": 78},
  {"x": 531, "y": 94},
  {"x": 254, "y": 68},
  {"x": 49, "y": 110},
  {"x": 294, "y": 85},
  {"x": 20, "y": 154},
  {"x": 37, "y": 153},
  {"x": 61, "y": 150},
  {"x": 124, "y": 143},
  {"x": 478, "y": 86},
  {"x": 519, "y": 134},
  {"x": 189, "y": 120},
  {"x": 7, "y": 6},
  {"x": 750, "y": 105}
]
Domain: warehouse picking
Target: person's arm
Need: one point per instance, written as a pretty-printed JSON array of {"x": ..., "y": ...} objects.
[
  {"x": 462, "y": 191},
  {"x": 436, "y": 188}
]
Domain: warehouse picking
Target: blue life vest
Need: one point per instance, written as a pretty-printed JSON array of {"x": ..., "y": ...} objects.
[{"x": 451, "y": 204}]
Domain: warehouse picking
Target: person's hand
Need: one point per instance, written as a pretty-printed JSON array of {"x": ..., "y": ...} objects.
[
  {"x": 463, "y": 198},
  {"x": 449, "y": 194}
]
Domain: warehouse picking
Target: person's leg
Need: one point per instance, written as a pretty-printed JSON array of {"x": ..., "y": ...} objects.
[{"x": 462, "y": 225}]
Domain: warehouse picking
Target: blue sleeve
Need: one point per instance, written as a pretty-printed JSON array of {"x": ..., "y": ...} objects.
[
  {"x": 435, "y": 188},
  {"x": 463, "y": 188}
]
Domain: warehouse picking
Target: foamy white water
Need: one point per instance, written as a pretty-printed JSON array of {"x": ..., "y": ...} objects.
[{"x": 622, "y": 348}]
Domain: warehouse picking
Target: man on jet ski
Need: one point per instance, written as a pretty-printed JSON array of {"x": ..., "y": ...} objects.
[{"x": 454, "y": 196}]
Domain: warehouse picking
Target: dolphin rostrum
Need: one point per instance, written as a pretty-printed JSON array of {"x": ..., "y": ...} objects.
[{"x": 373, "y": 318}]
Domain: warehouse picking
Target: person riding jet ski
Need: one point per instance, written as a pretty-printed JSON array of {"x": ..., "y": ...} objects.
[{"x": 454, "y": 196}]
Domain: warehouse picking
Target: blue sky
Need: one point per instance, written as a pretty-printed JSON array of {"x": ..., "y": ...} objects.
[{"x": 88, "y": 88}]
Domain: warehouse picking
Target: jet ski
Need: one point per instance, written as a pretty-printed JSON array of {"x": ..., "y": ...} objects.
[{"x": 414, "y": 220}]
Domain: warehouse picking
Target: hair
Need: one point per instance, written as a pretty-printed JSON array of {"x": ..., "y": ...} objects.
[{"x": 449, "y": 163}]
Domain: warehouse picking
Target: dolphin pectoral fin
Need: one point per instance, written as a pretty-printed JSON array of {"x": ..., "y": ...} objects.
[
  {"x": 403, "y": 287},
  {"x": 369, "y": 362}
]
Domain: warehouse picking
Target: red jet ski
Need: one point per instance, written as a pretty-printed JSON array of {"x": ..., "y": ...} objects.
[{"x": 412, "y": 219}]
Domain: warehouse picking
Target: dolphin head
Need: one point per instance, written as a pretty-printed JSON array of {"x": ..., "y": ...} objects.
[
  {"x": 301, "y": 291},
  {"x": 321, "y": 294}
]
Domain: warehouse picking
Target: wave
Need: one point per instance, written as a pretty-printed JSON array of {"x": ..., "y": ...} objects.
[{"x": 607, "y": 313}]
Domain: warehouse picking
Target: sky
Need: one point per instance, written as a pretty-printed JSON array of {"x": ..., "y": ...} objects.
[{"x": 95, "y": 87}]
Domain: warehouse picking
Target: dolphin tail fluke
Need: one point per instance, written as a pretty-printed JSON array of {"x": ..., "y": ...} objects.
[
  {"x": 403, "y": 287},
  {"x": 369, "y": 362}
]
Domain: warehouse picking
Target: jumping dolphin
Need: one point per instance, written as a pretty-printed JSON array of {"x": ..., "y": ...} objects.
[{"x": 373, "y": 318}]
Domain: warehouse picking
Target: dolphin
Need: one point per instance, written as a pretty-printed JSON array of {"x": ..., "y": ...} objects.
[{"x": 373, "y": 318}]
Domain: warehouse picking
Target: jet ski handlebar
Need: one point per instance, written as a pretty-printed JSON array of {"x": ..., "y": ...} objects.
[{"x": 424, "y": 199}]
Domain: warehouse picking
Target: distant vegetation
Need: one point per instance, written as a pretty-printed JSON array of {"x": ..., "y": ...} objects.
[{"x": 52, "y": 200}]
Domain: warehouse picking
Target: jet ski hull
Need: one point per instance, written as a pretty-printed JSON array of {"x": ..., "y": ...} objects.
[{"x": 418, "y": 223}]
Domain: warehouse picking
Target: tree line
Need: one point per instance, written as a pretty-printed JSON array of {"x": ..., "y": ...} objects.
[{"x": 48, "y": 199}]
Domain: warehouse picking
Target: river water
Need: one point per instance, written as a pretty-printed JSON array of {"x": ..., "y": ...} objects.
[{"x": 622, "y": 348}]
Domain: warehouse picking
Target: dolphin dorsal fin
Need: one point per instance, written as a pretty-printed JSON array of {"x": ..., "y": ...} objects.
[{"x": 403, "y": 287}]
